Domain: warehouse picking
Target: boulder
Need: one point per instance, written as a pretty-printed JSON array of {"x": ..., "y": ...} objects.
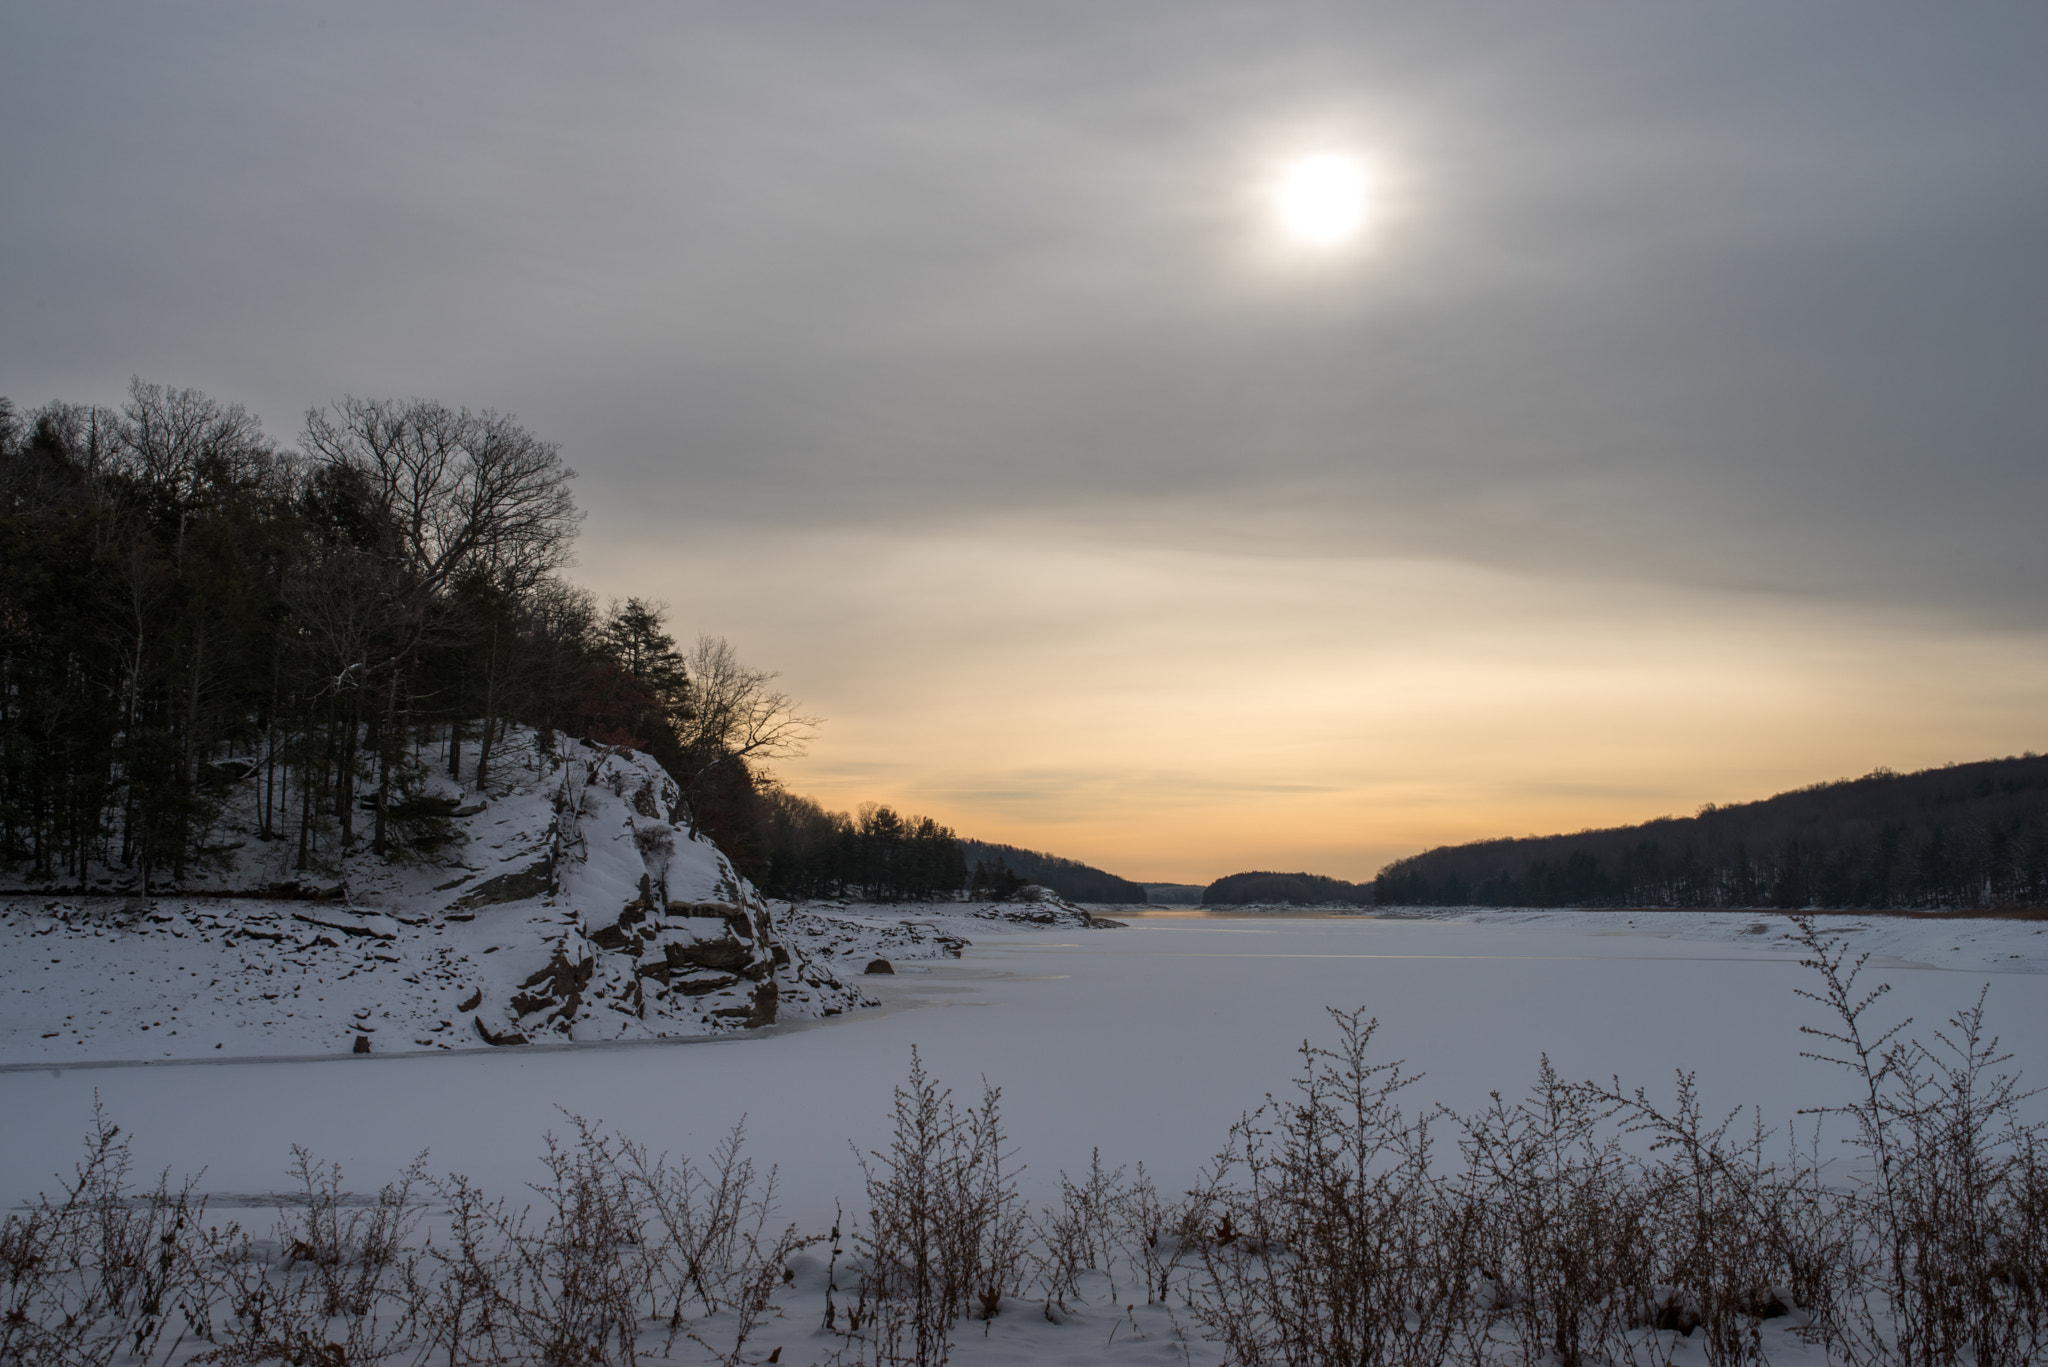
[
  {"x": 493, "y": 1037},
  {"x": 879, "y": 966}
]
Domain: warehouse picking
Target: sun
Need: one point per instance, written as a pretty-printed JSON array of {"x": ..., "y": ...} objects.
[{"x": 1322, "y": 200}]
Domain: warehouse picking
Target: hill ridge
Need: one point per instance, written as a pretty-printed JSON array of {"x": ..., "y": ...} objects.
[{"x": 1968, "y": 835}]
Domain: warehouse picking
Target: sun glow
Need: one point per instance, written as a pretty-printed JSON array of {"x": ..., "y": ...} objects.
[{"x": 1322, "y": 200}]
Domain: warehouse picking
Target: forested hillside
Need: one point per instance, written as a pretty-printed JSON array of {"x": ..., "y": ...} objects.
[
  {"x": 1071, "y": 879},
  {"x": 187, "y": 605},
  {"x": 1964, "y": 836},
  {"x": 1291, "y": 889}
]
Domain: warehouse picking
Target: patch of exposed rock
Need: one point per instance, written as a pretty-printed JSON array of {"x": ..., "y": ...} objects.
[{"x": 690, "y": 948}]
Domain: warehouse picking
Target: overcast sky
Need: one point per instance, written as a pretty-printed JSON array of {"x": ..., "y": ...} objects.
[{"x": 1675, "y": 429}]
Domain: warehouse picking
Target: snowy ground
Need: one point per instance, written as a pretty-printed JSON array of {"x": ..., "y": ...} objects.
[
  {"x": 1146, "y": 1041},
  {"x": 570, "y": 902},
  {"x": 195, "y": 978}
]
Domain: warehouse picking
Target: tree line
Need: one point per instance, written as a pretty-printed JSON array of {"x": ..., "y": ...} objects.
[
  {"x": 1965, "y": 836},
  {"x": 188, "y": 604},
  {"x": 1006, "y": 868},
  {"x": 873, "y": 854}
]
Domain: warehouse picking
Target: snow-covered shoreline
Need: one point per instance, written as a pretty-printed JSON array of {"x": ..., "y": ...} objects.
[
  {"x": 97, "y": 982},
  {"x": 1986, "y": 943},
  {"x": 572, "y": 902}
]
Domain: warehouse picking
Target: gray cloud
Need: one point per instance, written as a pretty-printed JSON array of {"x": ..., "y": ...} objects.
[{"x": 1752, "y": 296}]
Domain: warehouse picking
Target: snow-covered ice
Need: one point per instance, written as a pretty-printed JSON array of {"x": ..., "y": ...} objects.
[{"x": 1145, "y": 1042}]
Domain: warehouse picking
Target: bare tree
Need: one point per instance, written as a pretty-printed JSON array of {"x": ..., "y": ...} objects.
[
  {"x": 180, "y": 442},
  {"x": 458, "y": 493},
  {"x": 733, "y": 713},
  {"x": 462, "y": 490}
]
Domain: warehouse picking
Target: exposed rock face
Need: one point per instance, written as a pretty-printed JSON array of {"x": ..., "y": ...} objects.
[
  {"x": 508, "y": 887},
  {"x": 658, "y": 935},
  {"x": 727, "y": 954}
]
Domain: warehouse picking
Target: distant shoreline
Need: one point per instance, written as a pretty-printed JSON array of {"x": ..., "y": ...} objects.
[{"x": 1347, "y": 908}]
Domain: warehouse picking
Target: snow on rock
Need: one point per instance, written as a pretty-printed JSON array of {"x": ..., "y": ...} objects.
[{"x": 574, "y": 903}]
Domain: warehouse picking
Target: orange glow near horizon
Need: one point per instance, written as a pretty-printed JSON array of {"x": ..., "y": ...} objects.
[{"x": 1181, "y": 714}]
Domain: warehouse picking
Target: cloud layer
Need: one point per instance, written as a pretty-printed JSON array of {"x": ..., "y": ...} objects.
[{"x": 1692, "y": 368}]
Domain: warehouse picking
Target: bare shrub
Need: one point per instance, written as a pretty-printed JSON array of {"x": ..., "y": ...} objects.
[
  {"x": 339, "y": 1286},
  {"x": 2023, "y": 1270},
  {"x": 1562, "y": 1236},
  {"x": 1718, "y": 1263},
  {"x": 1330, "y": 1238},
  {"x": 105, "y": 1270},
  {"x": 1083, "y": 1233},
  {"x": 944, "y": 1231},
  {"x": 1812, "y": 1233},
  {"x": 573, "y": 1282},
  {"x": 461, "y": 1307},
  {"x": 1948, "y": 1213},
  {"x": 1165, "y": 1234},
  {"x": 718, "y": 1246}
]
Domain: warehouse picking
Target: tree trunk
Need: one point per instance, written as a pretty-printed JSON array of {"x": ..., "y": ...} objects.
[
  {"x": 267, "y": 829},
  {"x": 345, "y": 779},
  {"x": 483, "y": 752},
  {"x": 307, "y": 777},
  {"x": 390, "y": 736}
]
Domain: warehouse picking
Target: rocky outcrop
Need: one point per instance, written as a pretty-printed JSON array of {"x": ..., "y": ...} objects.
[
  {"x": 656, "y": 933},
  {"x": 583, "y": 911}
]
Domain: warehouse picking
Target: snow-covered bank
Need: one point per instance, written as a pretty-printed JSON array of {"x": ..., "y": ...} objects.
[
  {"x": 2012, "y": 943},
  {"x": 572, "y": 903}
]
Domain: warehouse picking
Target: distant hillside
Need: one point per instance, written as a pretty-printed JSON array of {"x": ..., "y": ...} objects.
[
  {"x": 1963, "y": 836},
  {"x": 1174, "y": 894},
  {"x": 1295, "y": 889},
  {"x": 1071, "y": 879}
]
